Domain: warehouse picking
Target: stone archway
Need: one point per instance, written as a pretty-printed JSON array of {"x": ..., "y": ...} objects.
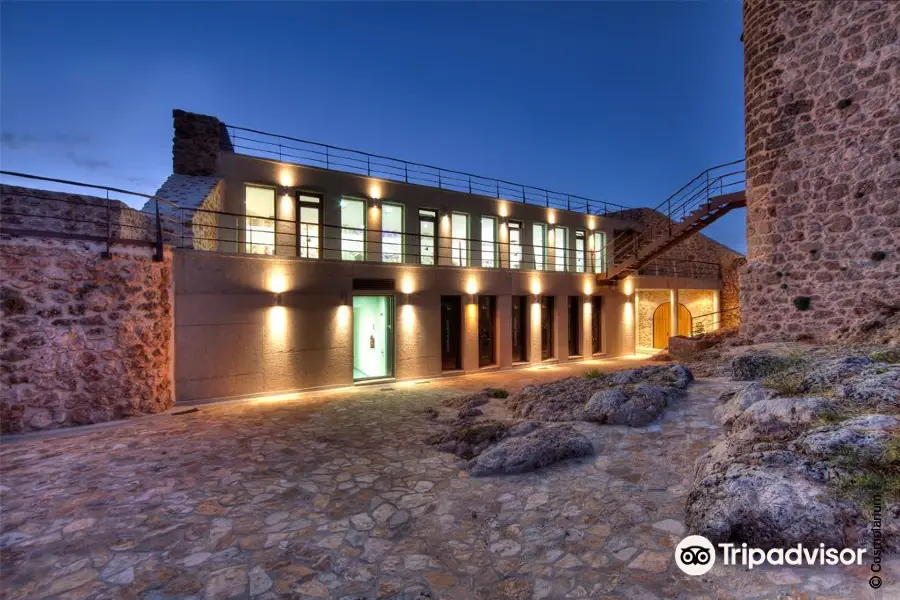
[{"x": 662, "y": 325}]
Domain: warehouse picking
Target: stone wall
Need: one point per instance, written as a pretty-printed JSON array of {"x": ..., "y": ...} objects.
[
  {"x": 698, "y": 303},
  {"x": 37, "y": 210},
  {"x": 83, "y": 339},
  {"x": 647, "y": 303},
  {"x": 192, "y": 222},
  {"x": 701, "y": 248},
  {"x": 198, "y": 140},
  {"x": 822, "y": 83}
]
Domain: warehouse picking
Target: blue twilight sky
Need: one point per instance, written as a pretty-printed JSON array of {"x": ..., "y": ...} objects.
[{"x": 618, "y": 101}]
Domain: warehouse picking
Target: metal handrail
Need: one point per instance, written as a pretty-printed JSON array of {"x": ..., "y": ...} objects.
[
  {"x": 712, "y": 182},
  {"x": 355, "y": 161},
  {"x": 694, "y": 322}
]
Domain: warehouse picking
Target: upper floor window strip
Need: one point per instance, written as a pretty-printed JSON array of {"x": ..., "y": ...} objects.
[{"x": 259, "y": 228}]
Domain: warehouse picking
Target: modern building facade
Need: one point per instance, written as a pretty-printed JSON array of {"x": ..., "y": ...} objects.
[{"x": 300, "y": 265}]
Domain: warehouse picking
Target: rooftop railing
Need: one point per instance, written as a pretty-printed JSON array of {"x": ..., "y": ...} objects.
[{"x": 283, "y": 148}]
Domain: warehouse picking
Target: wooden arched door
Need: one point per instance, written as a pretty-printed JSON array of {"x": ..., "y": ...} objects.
[{"x": 662, "y": 324}]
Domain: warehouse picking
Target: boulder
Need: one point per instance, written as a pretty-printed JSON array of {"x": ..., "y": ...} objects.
[
  {"x": 778, "y": 411},
  {"x": 863, "y": 438},
  {"x": 684, "y": 348},
  {"x": 757, "y": 364},
  {"x": 878, "y": 390},
  {"x": 829, "y": 373},
  {"x": 542, "y": 447},
  {"x": 468, "y": 439},
  {"x": 732, "y": 404},
  {"x": 634, "y": 408},
  {"x": 768, "y": 500}
]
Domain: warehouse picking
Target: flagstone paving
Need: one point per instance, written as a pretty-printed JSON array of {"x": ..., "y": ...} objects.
[{"x": 334, "y": 495}]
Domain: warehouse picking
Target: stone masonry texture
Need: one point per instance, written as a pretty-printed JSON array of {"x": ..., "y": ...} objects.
[
  {"x": 198, "y": 140},
  {"x": 701, "y": 248},
  {"x": 822, "y": 103},
  {"x": 83, "y": 339}
]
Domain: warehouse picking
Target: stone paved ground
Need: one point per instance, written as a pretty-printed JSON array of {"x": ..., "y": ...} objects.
[{"x": 335, "y": 495}]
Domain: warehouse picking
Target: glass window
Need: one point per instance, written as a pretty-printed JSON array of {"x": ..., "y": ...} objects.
[
  {"x": 579, "y": 252},
  {"x": 259, "y": 206},
  {"x": 515, "y": 245},
  {"x": 309, "y": 230},
  {"x": 538, "y": 241},
  {"x": 392, "y": 233},
  {"x": 459, "y": 232},
  {"x": 598, "y": 247},
  {"x": 353, "y": 229},
  {"x": 561, "y": 246},
  {"x": 427, "y": 227},
  {"x": 489, "y": 242}
]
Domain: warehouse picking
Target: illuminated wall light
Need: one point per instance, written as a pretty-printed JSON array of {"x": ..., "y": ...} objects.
[
  {"x": 588, "y": 287},
  {"x": 551, "y": 217},
  {"x": 277, "y": 282},
  {"x": 503, "y": 209},
  {"x": 472, "y": 285},
  {"x": 286, "y": 178},
  {"x": 591, "y": 223},
  {"x": 375, "y": 191},
  {"x": 277, "y": 299},
  {"x": 628, "y": 287},
  {"x": 407, "y": 284},
  {"x": 535, "y": 287}
]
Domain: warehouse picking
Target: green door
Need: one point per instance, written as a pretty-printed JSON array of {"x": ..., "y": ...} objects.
[{"x": 373, "y": 337}]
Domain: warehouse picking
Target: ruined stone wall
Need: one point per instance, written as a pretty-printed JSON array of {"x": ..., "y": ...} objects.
[
  {"x": 699, "y": 247},
  {"x": 198, "y": 140},
  {"x": 37, "y": 210},
  {"x": 83, "y": 339},
  {"x": 822, "y": 83}
]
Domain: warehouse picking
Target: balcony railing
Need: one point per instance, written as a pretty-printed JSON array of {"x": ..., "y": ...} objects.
[{"x": 283, "y": 148}]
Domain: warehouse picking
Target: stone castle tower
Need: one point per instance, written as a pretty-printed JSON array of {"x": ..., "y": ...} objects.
[{"x": 822, "y": 106}]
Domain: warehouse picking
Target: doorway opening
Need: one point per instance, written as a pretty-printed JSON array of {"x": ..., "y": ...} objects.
[
  {"x": 662, "y": 325},
  {"x": 574, "y": 326},
  {"x": 451, "y": 331},
  {"x": 373, "y": 337},
  {"x": 596, "y": 327},
  {"x": 519, "y": 328},
  {"x": 546, "y": 327},
  {"x": 487, "y": 310}
]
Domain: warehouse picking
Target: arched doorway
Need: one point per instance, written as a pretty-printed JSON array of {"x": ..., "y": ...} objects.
[{"x": 662, "y": 323}]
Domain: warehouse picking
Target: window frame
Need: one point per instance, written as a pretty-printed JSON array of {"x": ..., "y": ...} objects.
[
  {"x": 599, "y": 266},
  {"x": 365, "y": 229},
  {"x": 428, "y": 215},
  {"x": 300, "y": 204},
  {"x": 402, "y": 233},
  {"x": 464, "y": 258},
  {"x": 535, "y": 226},
  {"x": 248, "y": 244},
  {"x": 518, "y": 226},
  {"x": 556, "y": 249},
  {"x": 494, "y": 247},
  {"x": 580, "y": 236}
]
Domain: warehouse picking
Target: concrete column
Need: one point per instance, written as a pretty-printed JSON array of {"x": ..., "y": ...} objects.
[
  {"x": 503, "y": 243},
  {"x": 503, "y": 339},
  {"x": 561, "y": 327},
  {"x": 673, "y": 312},
  {"x": 586, "y": 327},
  {"x": 373, "y": 235},
  {"x": 444, "y": 240},
  {"x": 534, "y": 328},
  {"x": 474, "y": 242},
  {"x": 470, "y": 333}
]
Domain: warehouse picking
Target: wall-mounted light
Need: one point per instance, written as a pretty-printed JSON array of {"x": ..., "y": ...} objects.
[
  {"x": 471, "y": 299},
  {"x": 503, "y": 209},
  {"x": 551, "y": 217},
  {"x": 588, "y": 288},
  {"x": 286, "y": 178},
  {"x": 344, "y": 299},
  {"x": 471, "y": 285},
  {"x": 591, "y": 223},
  {"x": 375, "y": 191},
  {"x": 277, "y": 299}
]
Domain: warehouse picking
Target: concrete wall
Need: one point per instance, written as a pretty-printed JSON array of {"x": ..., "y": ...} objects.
[
  {"x": 823, "y": 167},
  {"x": 83, "y": 339},
  {"x": 238, "y": 170},
  {"x": 232, "y": 339}
]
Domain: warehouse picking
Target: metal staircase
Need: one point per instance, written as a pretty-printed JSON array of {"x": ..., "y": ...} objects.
[{"x": 703, "y": 200}]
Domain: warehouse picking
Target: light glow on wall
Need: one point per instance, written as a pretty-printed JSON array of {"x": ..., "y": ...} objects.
[
  {"x": 286, "y": 177},
  {"x": 277, "y": 321},
  {"x": 286, "y": 207},
  {"x": 588, "y": 287},
  {"x": 536, "y": 286},
  {"x": 503, "y": 209},
  {"x": 591, "y": 223},
  {"x": 407, "y": 319},
  {"x": 375, "y": 190},
  {"x": 343, "y": 316},
  {"x": 472, "y": 285},
  {"x": 628, "y": 286},
  {"x": 407, "y": 284},
  {"x": 277, "y": 282},
  {"x": 551, "y": 217}
]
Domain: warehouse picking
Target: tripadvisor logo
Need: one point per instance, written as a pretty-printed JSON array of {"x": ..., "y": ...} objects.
[{"x": 696, "y": 555}]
